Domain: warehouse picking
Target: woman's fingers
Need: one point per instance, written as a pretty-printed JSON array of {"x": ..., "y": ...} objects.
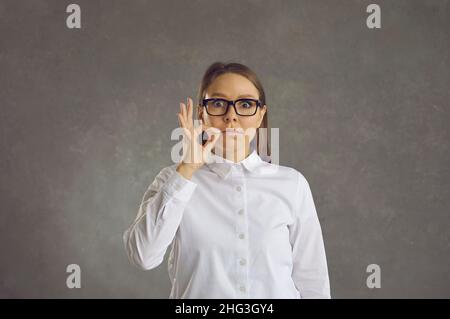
[
  {"x": 187, "y": 124},
  {"x": 181, "y": 120},
  {"x": 211, "y": 130},
  {"x": 191, "y": 131},
  {"x": 210, "y": 143},
  {"x": 186, "y": 118},
  {"x": 205, "y": 127},
  {"x": 190, "y": 107},
  {"x": 182, "y": 108},
  {"x": 213, "y": 135},
  {"x": 208, "y": 147},
  {"x": 185, "y": 113},
  {"x": 186, "y": 110}
]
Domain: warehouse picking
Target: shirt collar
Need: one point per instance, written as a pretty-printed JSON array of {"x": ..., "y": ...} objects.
[{"x": 222, "y": 166}]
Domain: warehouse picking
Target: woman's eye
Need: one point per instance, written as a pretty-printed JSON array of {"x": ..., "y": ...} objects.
[
  {"x": 218, "y": 104},
  {"x": 246, "y": 104}
]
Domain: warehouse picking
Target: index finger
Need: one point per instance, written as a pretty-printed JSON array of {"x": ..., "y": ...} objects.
[{"x": 190, "y": 107}]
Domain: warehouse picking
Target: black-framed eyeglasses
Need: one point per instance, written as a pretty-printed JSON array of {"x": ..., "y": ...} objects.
[{"x": 243, "y": 107}]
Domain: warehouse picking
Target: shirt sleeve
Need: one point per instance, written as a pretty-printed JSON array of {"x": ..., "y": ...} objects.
[
  {"x": 310, "y": 271},
  {"x": 158, "y": 218}
]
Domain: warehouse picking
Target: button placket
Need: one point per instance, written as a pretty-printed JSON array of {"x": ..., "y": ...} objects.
[{"x": 241, "y": 254}]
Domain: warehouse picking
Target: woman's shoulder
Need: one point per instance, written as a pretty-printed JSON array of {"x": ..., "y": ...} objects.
[
  {"x": 283, "y": 169},
  {"x": 165, "y": 172},
  {"x": 167, "y": 169}
]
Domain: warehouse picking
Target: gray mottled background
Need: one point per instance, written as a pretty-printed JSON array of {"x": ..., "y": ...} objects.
[{"x": 86, "y": 117}]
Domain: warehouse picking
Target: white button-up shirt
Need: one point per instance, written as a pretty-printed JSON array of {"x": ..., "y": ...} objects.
[{"x": 236, "y": 230}]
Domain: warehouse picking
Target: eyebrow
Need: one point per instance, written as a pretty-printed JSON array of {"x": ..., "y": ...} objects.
[{"x": 240, "y": 96}]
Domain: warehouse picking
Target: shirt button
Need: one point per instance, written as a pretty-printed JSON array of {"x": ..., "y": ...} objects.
[
  {"x": 238, "y": 188},
  {"x": 243, "y": 262},
  {"x": 242, "y": 288},
  {"x": 241, "y": 236},
  {"x": 241, "y": 212}
]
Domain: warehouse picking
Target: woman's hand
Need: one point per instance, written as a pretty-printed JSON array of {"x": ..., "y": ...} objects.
[{"x": 194, "y": 153}]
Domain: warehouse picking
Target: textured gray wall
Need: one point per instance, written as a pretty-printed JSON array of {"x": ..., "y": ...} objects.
[{"x": 86, "y": 117}]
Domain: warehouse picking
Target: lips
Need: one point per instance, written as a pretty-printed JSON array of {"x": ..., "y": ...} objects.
[{"x": 233, "y": 131}]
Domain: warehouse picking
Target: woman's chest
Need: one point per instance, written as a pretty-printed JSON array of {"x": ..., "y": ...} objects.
[{"x": 237, "y": 214}]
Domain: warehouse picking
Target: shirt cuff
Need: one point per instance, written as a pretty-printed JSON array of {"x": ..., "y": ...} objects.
[{"x": 179, "y": 187}]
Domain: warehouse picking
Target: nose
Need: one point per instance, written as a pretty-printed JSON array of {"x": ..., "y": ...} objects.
[{"x": 231, "y": 115}]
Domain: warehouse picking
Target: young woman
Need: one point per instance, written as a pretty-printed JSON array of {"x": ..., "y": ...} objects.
[{"x": 238, "y": 226}]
